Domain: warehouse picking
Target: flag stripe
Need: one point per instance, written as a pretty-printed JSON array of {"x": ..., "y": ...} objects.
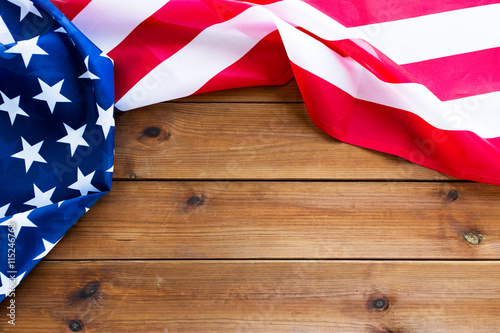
[
  {"x": 264, "y": 64},
  {"x": 137, "y": 65},
  {"x": 460, "y": 75},
  {"x": 71, "y": 8},
  {"x": 459, "y": 153},
  {"x": 448, "y": 78},
  {"x": 107, "y": 23},
  {"x": 356, "y": 13},
  {"x": 437, "y": 35}
]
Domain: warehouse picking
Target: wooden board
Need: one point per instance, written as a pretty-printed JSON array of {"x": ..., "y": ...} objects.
[
  {"x": 179, "y": 220},
  {"x": 244, "y": 141},
  {"x": 263, "y": 296},
  {"x": 241, "y": 220}
]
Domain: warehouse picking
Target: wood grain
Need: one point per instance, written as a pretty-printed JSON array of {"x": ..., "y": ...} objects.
[
  {"x": 160, "y": 220},
  {"x": 264, "y": 296},
  {"x": 244, "y": 141}
]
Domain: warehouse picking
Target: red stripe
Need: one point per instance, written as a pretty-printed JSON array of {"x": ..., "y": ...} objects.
[
  {"x": 360, "y": 12},
  {"x": 461, "y": 154},
  {"x": 262, "y": 2},
  {"x": 367, "y": 56},
  {"x": 143, "y": 50},
  {"x": 460, "y": 75},
  {"x": 265, "y": 64},
  {"x": 70, "y": 8},
  {"x": 162, "y": 35},
  {"x": 349, "y": 13},
  {"x": 452, "y": 77}
]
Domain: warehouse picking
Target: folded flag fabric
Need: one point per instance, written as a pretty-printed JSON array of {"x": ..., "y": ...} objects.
[
  {"x": 56, "y": 132},
  {"x": 407, "y": 77}
]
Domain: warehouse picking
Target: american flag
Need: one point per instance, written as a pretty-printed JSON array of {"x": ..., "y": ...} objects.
[
  {"x": 413, "y": 78},
  {"x": 56, "y": 132}
]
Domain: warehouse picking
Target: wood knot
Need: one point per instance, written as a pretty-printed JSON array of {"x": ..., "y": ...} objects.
[
  {"x": 196, "y": 200},
  {"x": 378, "y": 303},
  {"x": 90, "y": 289},
  {"x": 89, "y": 294},
  {"x": 154, "y": 132},
  {"x": 452, "y": 195},
  {"x": 75, "y": 325},
  {"x": 473, "y": 238}
]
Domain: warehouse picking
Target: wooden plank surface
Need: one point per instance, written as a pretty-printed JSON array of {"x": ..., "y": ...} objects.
[
  {"x": 238, "y": 200},
  {"x": 244, "y": 141},
  {"x": 262, "y": 296},
  {"x": 179, "y": 220}
]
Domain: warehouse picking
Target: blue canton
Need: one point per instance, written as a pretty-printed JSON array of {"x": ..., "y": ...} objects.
[{"x": 56, "y": 132}]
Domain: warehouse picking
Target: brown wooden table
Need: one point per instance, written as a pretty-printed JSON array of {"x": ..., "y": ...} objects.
[{"x": 232, "y": 212}]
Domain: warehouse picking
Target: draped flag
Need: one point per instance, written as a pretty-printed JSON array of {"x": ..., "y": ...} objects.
[
  {"x": 56, "y": 135},
  {"x": 412, "y": 78}
]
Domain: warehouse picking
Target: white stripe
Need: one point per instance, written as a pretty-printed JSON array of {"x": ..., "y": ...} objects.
[
  {"x": 408, "y": 40},
  {"x": 437, "y": 35},
  {"x": 301, "y": 14},
  {"x": 5, "y": 36},
  {"x": 478, "y": 114},
  {"x": 195, "y": 64},
  {"x": 107, "y": 22}
]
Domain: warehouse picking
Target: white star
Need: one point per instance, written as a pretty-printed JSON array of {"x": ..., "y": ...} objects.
[
  {"x": 111, "y": 169},
  {"x": 11, "y": 106},
  {"x": 83, "y": 184},
  {"x": 59, "y": 204},
  {"x": 74, "y": 138},
  {"x": 3, "y": 210},
  {"x": 27, "y": 48},
  {"x": 41, "y": 199},
  {"x": 48, "y": 246},
  {"x": 106, "y": 119},
  {"x": 51, "y": 94},
  {"x": 7, "y": 286},
  {"x": 19, "y": 220},
  {"x": 30, "y": 154},
  {"x": 5, "y": 289},
  {"x": 88, "y": 74},
  {"x": 26, "y": 7}
]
